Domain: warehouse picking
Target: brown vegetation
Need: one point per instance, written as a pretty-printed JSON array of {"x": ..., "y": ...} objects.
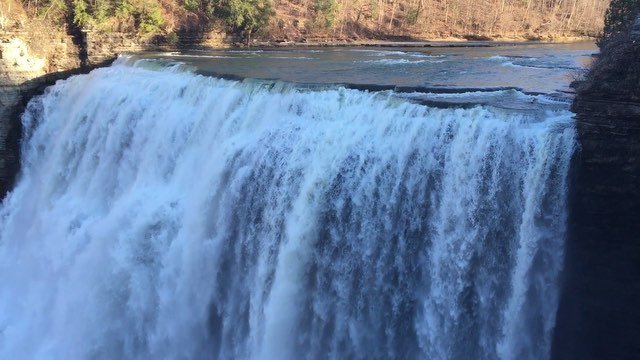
[
  {"x": 429, "y": 19},
  {"x": 318, "y": 20}
]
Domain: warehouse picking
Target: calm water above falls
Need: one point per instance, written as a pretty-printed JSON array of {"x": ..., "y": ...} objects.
[
  {"x": 532, "y": 67},
  {"x": 163, "y": 214}
]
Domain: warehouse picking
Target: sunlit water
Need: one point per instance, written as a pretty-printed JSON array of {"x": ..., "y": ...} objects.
[
  {"x": 545, "y": 68},
  {"x": 161, "y": 214}
]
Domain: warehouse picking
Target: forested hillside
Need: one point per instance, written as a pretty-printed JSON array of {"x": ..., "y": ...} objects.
[
  {"x": 441, "y": 18},
  {"x": 313, "y": 20}
]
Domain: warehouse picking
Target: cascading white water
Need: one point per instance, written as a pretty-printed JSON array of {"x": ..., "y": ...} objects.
[{"x": 160, "y": 214}]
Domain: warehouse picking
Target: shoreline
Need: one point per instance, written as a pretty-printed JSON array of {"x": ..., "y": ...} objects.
[{"x": 426, "y": 43}]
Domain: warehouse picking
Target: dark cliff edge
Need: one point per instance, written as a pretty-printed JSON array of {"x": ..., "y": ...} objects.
[{"x": 598, "y": 316}]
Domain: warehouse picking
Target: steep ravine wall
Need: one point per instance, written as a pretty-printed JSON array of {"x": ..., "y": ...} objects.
[
  {"x": 32, "y": 60},
  {"x": 598, "y": 316},
  {"x": 22, "y": 73}
]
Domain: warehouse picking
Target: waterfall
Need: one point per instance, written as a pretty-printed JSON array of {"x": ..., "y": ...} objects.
[{"x": 161, "y": 214}]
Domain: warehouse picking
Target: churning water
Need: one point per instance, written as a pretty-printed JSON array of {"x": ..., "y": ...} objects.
[{"x": 161, "y": 214}]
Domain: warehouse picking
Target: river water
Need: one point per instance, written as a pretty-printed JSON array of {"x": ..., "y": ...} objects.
[
  {"x": 162, "y": 214},
  {"x": 531, "y": 67}
]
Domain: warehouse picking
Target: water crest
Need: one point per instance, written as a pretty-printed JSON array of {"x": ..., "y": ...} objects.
[{"x": 161, "y": 214}]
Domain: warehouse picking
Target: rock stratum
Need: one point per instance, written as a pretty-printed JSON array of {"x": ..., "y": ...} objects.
[
  {"x": 31, "y": 60},
  {"x": 22, "y": 74}
]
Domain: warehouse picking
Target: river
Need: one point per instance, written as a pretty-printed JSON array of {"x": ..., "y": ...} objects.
[{"x": 345, "y": 203}]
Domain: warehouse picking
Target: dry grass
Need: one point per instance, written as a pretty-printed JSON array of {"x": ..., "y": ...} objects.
[{"x": 12, "y": 15}]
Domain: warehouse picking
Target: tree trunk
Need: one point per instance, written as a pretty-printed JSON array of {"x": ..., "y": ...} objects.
[{"x": 393, "y": 12}]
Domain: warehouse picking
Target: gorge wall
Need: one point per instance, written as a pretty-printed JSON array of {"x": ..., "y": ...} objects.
[
  {"x": 23, "y": 73},
  {"x": 31, "y": 59},
  {"x": 598, "y": 316}
]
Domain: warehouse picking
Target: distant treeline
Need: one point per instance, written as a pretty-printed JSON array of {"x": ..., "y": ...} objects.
[
  {"x": 152, "y": 17},
  {"x": 443, "y": 18},
  {"x": 296, "y": 19}
]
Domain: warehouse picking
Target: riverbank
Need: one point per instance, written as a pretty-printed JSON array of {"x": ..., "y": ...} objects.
[{"x": 447, "y": 42}]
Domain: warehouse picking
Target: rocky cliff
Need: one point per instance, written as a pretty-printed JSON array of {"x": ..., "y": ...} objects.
[
  {"x": 23, "y": 72},
  {"x": 32, "y": 59},
  {"x": 598, "y": 316}
]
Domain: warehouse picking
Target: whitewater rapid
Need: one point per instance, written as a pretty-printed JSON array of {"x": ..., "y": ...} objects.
[{"x": 165, "y": 215}]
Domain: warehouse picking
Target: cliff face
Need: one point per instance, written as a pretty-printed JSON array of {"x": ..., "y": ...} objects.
[
  {"x": 598, "y": 316},
  {"x": 35, "y": 56},
  {"x": 22, "y": 74}
]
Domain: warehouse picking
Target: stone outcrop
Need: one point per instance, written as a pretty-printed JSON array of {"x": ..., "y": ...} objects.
[
  {"x": 34, "y": 58},
  {"x": 598, "y": 317},
  {"x": 16, "y": 67},
  {"x": 101, "y": 47},
  {"x": 22, "y": 74}
]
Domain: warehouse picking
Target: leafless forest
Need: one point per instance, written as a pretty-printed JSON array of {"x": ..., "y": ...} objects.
[
  {"x": 299, "y": 20},
  {"x": 531, "y": 19}
]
